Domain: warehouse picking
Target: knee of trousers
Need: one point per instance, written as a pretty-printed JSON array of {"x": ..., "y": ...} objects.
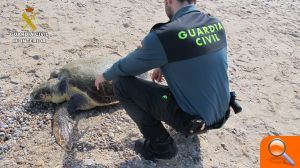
[{"x": 121, "y": 85}]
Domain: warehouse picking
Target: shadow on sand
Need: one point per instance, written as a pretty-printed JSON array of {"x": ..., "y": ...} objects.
[
  {"x": 189, "y": 150},
  {"x": 189, "y": 154},
  {"x": 69, "y": 159}
]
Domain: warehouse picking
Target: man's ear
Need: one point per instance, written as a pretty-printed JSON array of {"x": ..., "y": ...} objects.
[{"x": 168, "y": 2}]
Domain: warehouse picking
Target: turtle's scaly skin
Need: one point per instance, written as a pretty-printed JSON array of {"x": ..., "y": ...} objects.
[
  {"x": 62, "y": 128},
  {"x": 74, "y": 86}
]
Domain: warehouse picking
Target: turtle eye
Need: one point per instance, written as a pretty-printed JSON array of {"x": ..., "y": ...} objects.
[
  {"x": 43, "y": 95},
  {"x": 42, "y": 92}
]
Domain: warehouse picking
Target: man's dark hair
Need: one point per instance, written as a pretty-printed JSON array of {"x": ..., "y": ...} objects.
[{"x": 181, "y": 1}]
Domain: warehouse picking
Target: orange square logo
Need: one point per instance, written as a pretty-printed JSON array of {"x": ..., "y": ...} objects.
[{"x": 280, "y": 152}]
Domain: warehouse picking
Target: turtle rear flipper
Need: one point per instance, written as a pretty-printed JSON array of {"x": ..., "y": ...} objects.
[{"x": 63, "y": 127}]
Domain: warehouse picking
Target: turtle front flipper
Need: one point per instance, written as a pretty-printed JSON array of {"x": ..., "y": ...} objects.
[{"x": 63, "y": 125}]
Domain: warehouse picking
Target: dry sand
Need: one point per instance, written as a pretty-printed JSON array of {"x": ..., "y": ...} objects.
[{"x": 264, "y": 66}]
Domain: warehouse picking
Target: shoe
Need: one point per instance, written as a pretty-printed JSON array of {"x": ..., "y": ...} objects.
[{"x": 156, "y": 150}]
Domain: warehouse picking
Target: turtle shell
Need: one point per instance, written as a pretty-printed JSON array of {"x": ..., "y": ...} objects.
[{"x": 82, "y": 74}]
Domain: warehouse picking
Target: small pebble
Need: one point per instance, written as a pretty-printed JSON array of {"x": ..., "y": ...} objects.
[
  {"x": 4, "y": 126},
  {"x": 111, "y": 135},
  {"x": 8, "y": 136},
  {"x": 4, "y": 77},
  {"x": 40, "y": 162},
  {"x": 118, "y": 128},
  {"x": 126, "y": 25},
  {"x": 25, "y": 128},
  {"x": 36, "y": 57},
  {"x": 22, "y": 145},
  {"x": 31, "y": 71},
  {"x": 89, "y": 162},
  {"x": 14, "y": 82},
  {"x": 224, "y": 146}
]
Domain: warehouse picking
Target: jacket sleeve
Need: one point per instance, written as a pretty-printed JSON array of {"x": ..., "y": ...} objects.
[{"x": 150, "y": 55}]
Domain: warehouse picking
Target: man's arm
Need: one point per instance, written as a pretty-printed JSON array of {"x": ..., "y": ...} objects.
[{"x": 150, "y": 55}]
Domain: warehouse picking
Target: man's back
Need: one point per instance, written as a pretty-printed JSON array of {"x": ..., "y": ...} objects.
[
  {"x": 200, "y": 85},
  {"x": 196, "y": 72}
]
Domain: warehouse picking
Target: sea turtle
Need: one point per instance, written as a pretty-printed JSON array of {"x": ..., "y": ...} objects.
[{"x": 73, "y": 86}]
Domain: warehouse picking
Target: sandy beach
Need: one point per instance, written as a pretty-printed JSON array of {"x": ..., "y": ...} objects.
[{"x": 264, "y": 66}]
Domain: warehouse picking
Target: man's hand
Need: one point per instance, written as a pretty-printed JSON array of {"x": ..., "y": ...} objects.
[
  {"x": 99, "y": 80},
  {"x": 157, "y": 75}
]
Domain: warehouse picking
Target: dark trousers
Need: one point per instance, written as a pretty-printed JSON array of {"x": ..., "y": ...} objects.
[{"x": 148, "y": 103}]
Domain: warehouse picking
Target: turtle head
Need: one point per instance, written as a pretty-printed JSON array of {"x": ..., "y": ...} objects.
[{"x": 45, "y": 92}]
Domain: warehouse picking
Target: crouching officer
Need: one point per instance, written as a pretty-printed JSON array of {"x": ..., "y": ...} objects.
[{"x": 190, "y": 52}]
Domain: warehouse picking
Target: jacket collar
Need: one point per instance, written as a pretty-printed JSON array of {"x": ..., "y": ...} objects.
[{"x": 184, "y": 10}]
